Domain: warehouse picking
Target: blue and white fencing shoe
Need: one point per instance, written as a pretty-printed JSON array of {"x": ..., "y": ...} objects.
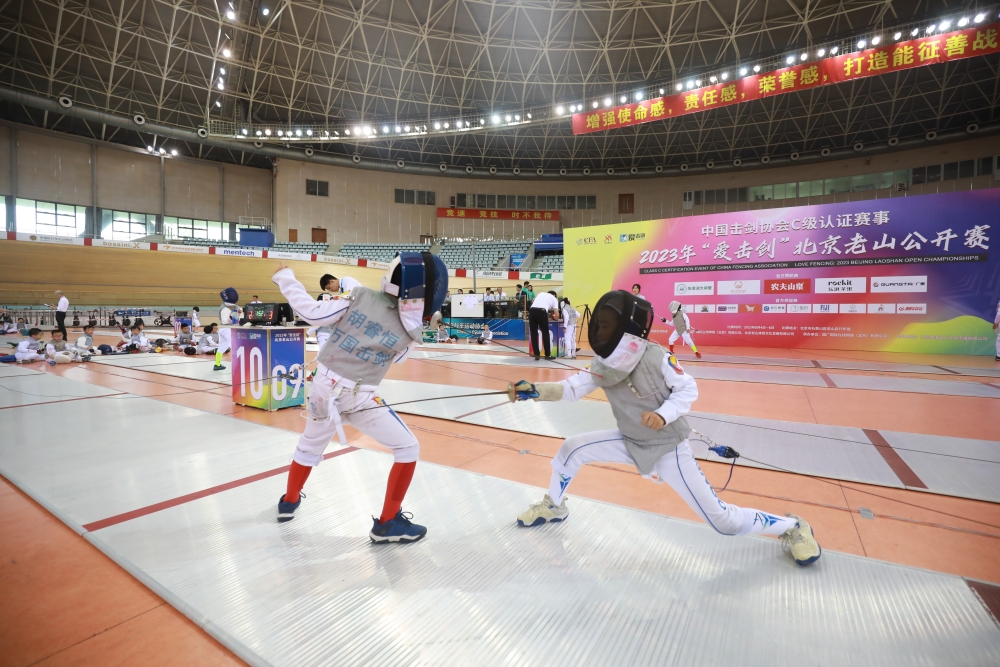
[
  {"x": 397, "y": 529},
  {"x": 286, "y": 511}
]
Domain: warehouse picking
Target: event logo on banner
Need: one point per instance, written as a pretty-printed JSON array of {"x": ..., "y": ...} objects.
[
  {"x": 905, "y": 274},
  {"x": 883, "y": 59},
  {"x": 288, "y": 349}
]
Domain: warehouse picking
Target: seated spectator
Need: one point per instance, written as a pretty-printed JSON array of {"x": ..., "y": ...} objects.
[
  {"x": 442, "y": 335},
  {"x": 209, "y": 342},
  {"x": 30, "y": 349},
  {"x": 486, "y": 336},
  {"x": 137, "y": 342}
]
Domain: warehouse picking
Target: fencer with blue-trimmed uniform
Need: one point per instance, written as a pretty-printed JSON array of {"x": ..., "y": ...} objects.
[
  {"x": 371, "y": 329},
  {"x": 650, "y": 394},
  {"x": 228, "y": 316}
]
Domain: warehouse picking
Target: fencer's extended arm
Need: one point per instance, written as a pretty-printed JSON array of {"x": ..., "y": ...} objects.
[
  {"x": 405, "y": 354},
  {"x": 684, "y": 391},
  {"x": 312, "y": 311},
  {"x": 577, "y": 386}
]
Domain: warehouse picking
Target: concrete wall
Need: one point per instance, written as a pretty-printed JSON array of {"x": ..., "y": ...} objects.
[
  {"x": 127, "y": 181},
  {"x": 53, "y": 169}
]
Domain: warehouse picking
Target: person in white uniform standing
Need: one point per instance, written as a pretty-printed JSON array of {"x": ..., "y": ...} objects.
[
  {"x": 228, "y": 315},
  {"x": 650, "y": 394},
  {"x": 371, "y": 329},
  {"x": 570, "y": 316},
  {"x": 538, "y": 320},
  {"x": 333, "y": 288},
  {"x": 682, "y": 328}
]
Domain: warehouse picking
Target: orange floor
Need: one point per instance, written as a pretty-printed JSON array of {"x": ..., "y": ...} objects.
[{"x": 71, "y": 605}]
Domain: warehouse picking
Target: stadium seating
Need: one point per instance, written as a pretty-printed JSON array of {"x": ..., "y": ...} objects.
[
  {"x": 283, "y": 246},
  {"x": 379, "y": 252},
  {"x": 553, "y": 263},
  {"x": 459, "y": 255}
]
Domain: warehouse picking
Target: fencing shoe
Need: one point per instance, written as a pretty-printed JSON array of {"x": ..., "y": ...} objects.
[
  {"x": 800, "y": 539},
  {"x": 544, "y": 511},
  {"x": 286, "y": 511},
  {"x": 397, "y": 529},
  {"x": 698, "y": 354}
]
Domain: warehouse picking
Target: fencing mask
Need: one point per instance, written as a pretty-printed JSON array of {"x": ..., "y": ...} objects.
[
  {"x": 674, "y": 307},
  {"x": 230, "y": 296},
  {"x": 618, "y": 315},
  {"x": 420, "y": 280}
]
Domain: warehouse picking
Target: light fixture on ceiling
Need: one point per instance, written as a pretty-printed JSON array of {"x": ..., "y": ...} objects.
[
  {"x": 595, "y": 104},
  {"x": 944, "y": 25},
  {"x": 898, "y": 36},
  {"x": 690, "y": 85},
  {"x": 560, "y": 110},
  {"x": 979, "y": 18},
  {"x": 680, "y": 86},
  {"x": 173, "y": 152},
  {"x": 226, "y": 53},
  {"x": 218, "y": 103},
  {"x": 725, "y": 75},
  {"x": 914, "y": 32},
  {"x": 245, "y": 131},
  {"x": 150, "y": 149},
  {"x": 397, "y": 129},
  {"x": 862, "y": 43},
  {"x": 231, "y": 15},
  {"x": 876, "y": 39},
  {"x": 698, "y": 83},
  {"x": 385, "y": 129},
  {"x": 713, "y": 79},
  {"x": 258, "y": 133},
  {"x": 162, "y": 152},
  {"x": 624, "y": 99},
  {"x": 834, "y": 49},
  {"x": 298, "y": 133},
  {"x": 265, "y": 11},
  {"x": 517, "y": 117},
  {"x": 309, "y": 133},
  {"x": 528, "y": 116},
  {"x": 821, "y": 53},
  {"x": 446, "y": 126},
  {"x": 743, "y": 71},
  {"x": 607, "y": 101},
  {"x": 507, "y": 118},
  {"x": 326, "y": 133},
  {"x": 482, "y": 121},
  {"x": 496, "y": 119},
  {"x": 280, "y": 133},
  {"x": 267, "y": 131},
  {"x": 222, "y": 70},
  {"x": 220, "y": 85},
  {"x": 639, "y": 95},
  {"x": 789, "y": 60},
  {"x": 406, "y": 128},
  {"x": 661, "y": 91},
  {"x": 803, "y": 56},
  {"x": 962, "y": 22},
  {"x": 930, "y": 29}
]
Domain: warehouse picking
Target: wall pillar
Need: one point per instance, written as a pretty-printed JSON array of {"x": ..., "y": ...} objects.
[{"x": 12, "y": 199}]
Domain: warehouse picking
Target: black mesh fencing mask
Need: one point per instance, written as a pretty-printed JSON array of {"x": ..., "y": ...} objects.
[{"x": 618, "y": 313}]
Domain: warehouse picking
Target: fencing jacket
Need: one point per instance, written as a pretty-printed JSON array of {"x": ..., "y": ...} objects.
[
  {"x": 656, "y": 384},
  {"x": 681, "y": 321}
]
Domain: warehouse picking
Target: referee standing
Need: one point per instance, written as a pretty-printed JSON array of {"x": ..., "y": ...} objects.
[
  {"x": 538, "y": 316},
  {"x": 61, "y": 307}
]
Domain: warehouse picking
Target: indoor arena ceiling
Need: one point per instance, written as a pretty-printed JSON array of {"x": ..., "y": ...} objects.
[{"x": 329, "y": 62}]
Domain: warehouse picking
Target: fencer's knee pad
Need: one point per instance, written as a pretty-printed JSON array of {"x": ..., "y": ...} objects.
[{"x": 408, "y": 453}]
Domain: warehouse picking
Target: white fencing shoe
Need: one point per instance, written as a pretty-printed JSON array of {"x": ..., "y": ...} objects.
[
  {"x": 544, "y": 511},
  {"x": 800, "y": 539}
]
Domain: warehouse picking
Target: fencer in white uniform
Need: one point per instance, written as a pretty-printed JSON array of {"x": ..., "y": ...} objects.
[
  {"x": 371, "y": 330},
  {"x": 333, "y": 288},
  {"x": 228, "y": 316},
  {"x": 682, "y": 328},
  {"x": 650, "y": 394},
  {"x": 570, "y": 316}
]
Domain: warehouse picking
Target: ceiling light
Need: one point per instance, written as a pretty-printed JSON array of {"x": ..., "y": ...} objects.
[
  {"x": 355, "y": 130},
  {"x": 680, "y": 86},
  {"x": 560, "y": 110},
  {"x": 607, "y": 101},
  {"x": 385, "y": 128},
  {"x": 150, "y": 148},
  {"x": 789, "y": 60},
  {"x": 226, "y": 53},
  {"x": 163, "y": 152},
  {"x": 218, "y": 103},
  {"x": 898, "y": 36},
  {"x": 725, "y": 75},
  {"x": 517, "y": 117},
  {"x": 406, "y": 128},
  {"x": 529, "y": 116},
  {"x": 876, "y": 39},
  {"x": 821, "y": 53},
  {"x": 698, "y": 83},
  {"x": 756, "y": 68},
  {"x": 496, "y": 119},
  {"x": 437, "y": 126},
  {"x": 245, "y": 131},
  {"x": 913, "y": 33},
  {"x": 258, "y": 133},
  {"x": 326, "y": 133},
  {"x": 862, "y": 43},
  {"x": 661, "y": 91},
  {"x": 231, "y": 15},
  {"x": 962, "y": 22},
  {"x": 265, "y": 11},
  {"x": 638, "y": 95},
  {"x": 280, "y": 133},
  {"x": 309, "y": 132},
  {"x": 507, "y": 118},
  {"x": 595, "y": 104},
  {"x": 743, "y": 71},
  {"x": 482, "y": 121},
  {"x": 803, "y": 56},
  {"x": 624, "y": 99},
  {"x": 397, "y": 129},
  {"x": 267, "y": 132},
  {"x": 220, "y": 85},
  {"x": 222, "y": 70},
  {"x": 690, "y": 85},
  {"x": 713, "y": 79},
  {"x": 298, "y": 133},
  {"x": 931, "y": 28},
  {"x": 347, "y": 132},
  {"x": 446, "y": 126},
  {"x": 979, "y": 18},
  {"x": 944, "y": 25},
  {"x": 834, "y": 49},
  {"x": 173, "y": 152}
]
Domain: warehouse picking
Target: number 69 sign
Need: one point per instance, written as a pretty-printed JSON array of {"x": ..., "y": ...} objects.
[{"x": 268, "y": 367}]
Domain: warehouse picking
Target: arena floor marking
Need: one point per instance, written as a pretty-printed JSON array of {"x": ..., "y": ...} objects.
[
  {"x": 616, "y": 585},
  {"x": 13, "y": 370},
  {"x": 41, "y": 388},
  {"x": 198, "y": 367}
]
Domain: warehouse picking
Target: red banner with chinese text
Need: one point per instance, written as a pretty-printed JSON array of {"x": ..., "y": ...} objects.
[
  {"x": 496, "y": 214},
  {"x": 883, "y": 59}
]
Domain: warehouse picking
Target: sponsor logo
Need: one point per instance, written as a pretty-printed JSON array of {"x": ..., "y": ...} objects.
[
  {"x": 882, "y": 308},
  {"x": 194, "y": 250},
  {"x": 704, "y": 308},
  {"x": 774, "y": 308},
  {"x": 333, "y": 259},
  {"x": 799, "y": 308},
  {"x": 852, "y": 308},
  {"x": 727, "y": 308},
  {"x": 587, "y": 240},
  {"x": 749, "y": 307},
  {"x": 378, "y": 265},
  {"x": 277, "y": 254},
  {"x": 236, "y": 252},
  {"x": 45, "y": 238},
  {"x": 796, "y": 286},
  {"x": 841, "y": 285},
  {"x": 899, "y": 284},
  {"x": 911, "y": 308},
  {"x": 739, "y": 287},
  {"x": 707, "y": 287},
  {"x": 121, "y": 244},
  {"x": 491, "y": 274},
  {"x": 539, "y": 276},
  {"x": 607, "y": 239},
  {"x": 625, "y": 238},
  {"x": 825, "y": 308}
]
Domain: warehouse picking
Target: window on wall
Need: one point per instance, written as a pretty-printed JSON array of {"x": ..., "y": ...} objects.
[
  {"x": 530, "y": 202},
  {"x": 126, "y": 226},
  {"x": 187, "y": 228},
  {"x": 318, "y": 188},
  {"x": 39, "y": 217},
  {"x": 421, "y": 197}
]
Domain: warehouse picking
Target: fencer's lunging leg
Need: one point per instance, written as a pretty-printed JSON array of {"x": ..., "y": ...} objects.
[{"x": 680, "y": 470}]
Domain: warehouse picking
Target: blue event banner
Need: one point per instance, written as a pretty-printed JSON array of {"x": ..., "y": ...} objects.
[{"x": 503, "y": 329}]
